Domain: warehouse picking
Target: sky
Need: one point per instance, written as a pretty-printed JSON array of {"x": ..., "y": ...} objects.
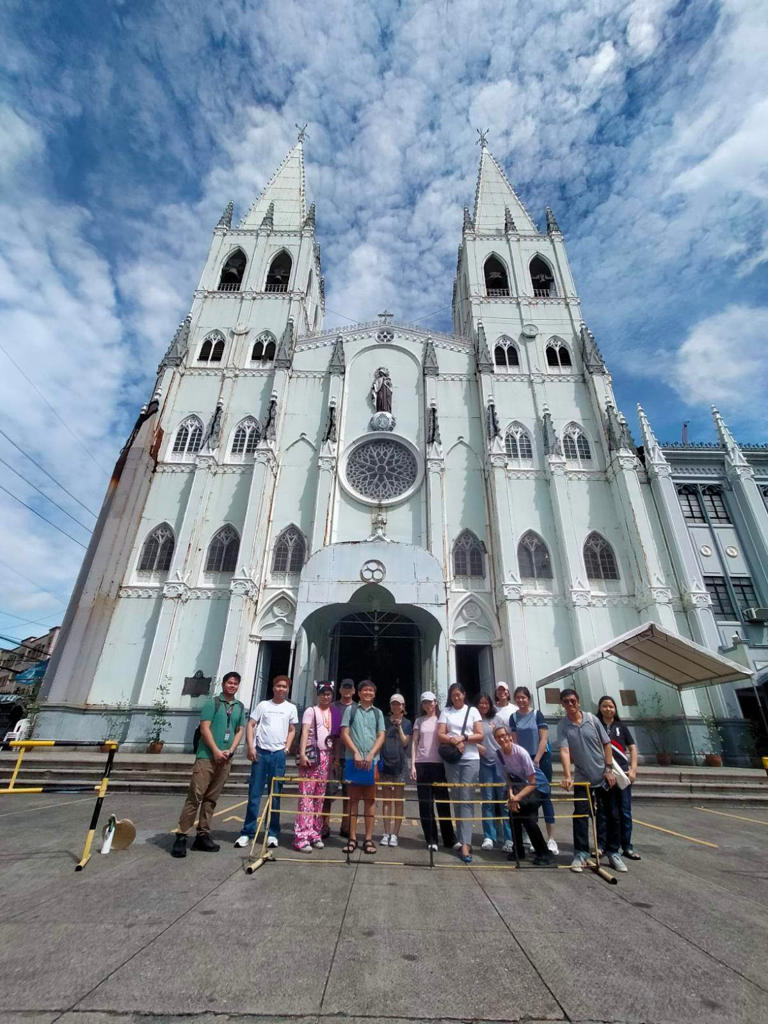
[{"x": 127, "y": 125}]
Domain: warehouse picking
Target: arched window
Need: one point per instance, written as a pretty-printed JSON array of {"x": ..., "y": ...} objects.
[
  {"x": 189, "y": 437},
  {"x": 558, "y": 355},
  {"x": 533, "y": 558},
  {"x": 517, "y": 442},
  {"x": 232, "y": 272},
  {"x": 496, "y": 280},
  {"x": 541, "y": 278},
  {"x": 223, "y": 550},
  {"x": 158, "y": 550},
  {"x": 575, "y": 444},
  {"x": 263, "y": 348},
  {"x": 599, "y": 559},
  {"x": 212, "y": 349},
  {"x": 505, "y": 355},
  {"x": 290, "y": 550},
  {"x": 279, "y": 273},
  {"x": 468, "y": 555},
  {"x": 246, "y": 436}
]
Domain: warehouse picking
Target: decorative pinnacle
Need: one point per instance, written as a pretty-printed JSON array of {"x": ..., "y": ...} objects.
[
  {"x": 302, "y": 131},
  {"x": 225, "y": 220},
  {"x": 552, "y": 226},
  {"x": 509, "y": 224},
  {"x": 468, "y": 226},
  {"x": 653, "y": 452},
  {"x": 268, "y": 220},
  {"x": 482, "y": 140},
  {"x": 309, "y": 220},
  {"x": 727, "y": 440}
]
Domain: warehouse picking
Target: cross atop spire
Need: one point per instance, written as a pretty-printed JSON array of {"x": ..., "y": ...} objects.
[
  {"x": 302, "y": 131},
  {"x": 386, "y": 316},
  {"x": 482, "y": 141}
]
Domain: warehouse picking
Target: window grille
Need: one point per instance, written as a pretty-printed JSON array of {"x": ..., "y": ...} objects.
[
  {"x": 690, "y": 505},
  {"x": 721, "y": 599},
  {"x": 745, "y": 592},
  {"x": 246, "y": 437},
  {"x": 158, "y": 550},
  {"x": 533, "y": 558},
  {"x": 517, "y": 442},
  {"x": 558, "y": 356},
  {"x": 290, "y": 551},
  {"x": 468, "y": 555},
  {"x": 599, "y": 559},
  {"x": 189, "y": 437},
  {"x": 505, "y": 355},
  {"x": 575, "y": 444},
  {"x": 223, "y": 551},
  {"x": 715, "y": 505}
]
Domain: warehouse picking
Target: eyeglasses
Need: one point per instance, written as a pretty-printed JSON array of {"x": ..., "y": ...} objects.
[{"x": 570, "y": 700}]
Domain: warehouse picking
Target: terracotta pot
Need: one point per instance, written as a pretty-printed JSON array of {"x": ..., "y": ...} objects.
[
  {"x": 155, "y": 748},
  {"x": 713, "y": 760},
  {"x": 663, "y": 758}
]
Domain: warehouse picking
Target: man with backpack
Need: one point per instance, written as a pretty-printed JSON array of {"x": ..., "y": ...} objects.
[{"x": 222, "y": 719}]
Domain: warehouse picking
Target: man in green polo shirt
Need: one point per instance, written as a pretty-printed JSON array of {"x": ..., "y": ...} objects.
[{"x": 221, "y": 729}]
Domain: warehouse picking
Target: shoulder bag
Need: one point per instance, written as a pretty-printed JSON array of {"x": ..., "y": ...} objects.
[{"x": 449, "y": 752}]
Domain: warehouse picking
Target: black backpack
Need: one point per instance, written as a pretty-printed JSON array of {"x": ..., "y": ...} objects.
[{"x": 196, "y": 734}]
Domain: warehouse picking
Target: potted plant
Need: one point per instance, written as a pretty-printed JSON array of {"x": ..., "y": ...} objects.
[
  {"x": 160, "y": 721},
  {"x": 114, "y": 723},
  {"x": 658, "y": 726},
  {"x": 713, "y": 756}
]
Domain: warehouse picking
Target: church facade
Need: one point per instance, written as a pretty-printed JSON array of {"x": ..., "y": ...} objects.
[{"x": 379, "y": 500}]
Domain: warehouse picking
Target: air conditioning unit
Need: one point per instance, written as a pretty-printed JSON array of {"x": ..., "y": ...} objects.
[{"x": 756, "y": 614}]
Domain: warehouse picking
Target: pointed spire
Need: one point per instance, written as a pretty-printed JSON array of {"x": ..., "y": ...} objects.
[
  {"x": 492, "y": 421},
  {"x": 727, "y": 440},
  {"x": 225, "y": 220},
  {"x": 268, "y": 220},
  {"x": 509, "y": 224},
  {"x": 284, "y": 353},
  {"x": 337, "y": 365},
  {"x": 433, "y": 425},
  {"x": 309, "y": 220},
  {"x": 179, "y": 345},
  {"x": 619, "y": 437},
  {"x": 553, "y": 228},
  {"x": 286, "y": 189},
  {"x": 593, "y": 360},
  {"x": 552, "y": 443},
  {"x": 654, "y": 457},
  {"x": 329, "y": 433},
  {"x": 430, "y": 367},
  {"x": 467, "y": 226},
  {"x": 484, "y": 361},
  {"x": 493, "y": 194}
]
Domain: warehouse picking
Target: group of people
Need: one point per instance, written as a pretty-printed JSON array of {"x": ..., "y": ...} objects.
[{"x": 500, "y": 746}]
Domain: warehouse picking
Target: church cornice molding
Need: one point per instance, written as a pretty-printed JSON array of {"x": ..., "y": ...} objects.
[
  {"x": 248, "y": 293},
  {"x": 175, "y": 467},
  {"x": 145, "y": 592},
  {"x": 456, "y": 376},
  {"x": 539, "y": 377},
  {"x": 368, "y": 331},
  {"x": 233, "y": 372}
]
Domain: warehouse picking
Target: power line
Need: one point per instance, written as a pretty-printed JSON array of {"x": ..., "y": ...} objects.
[
  {"x": 50, "y": 477},
  {"x": 31, "y": 622},
  {"x": 47, "y": 498},
  {"x": 35, "y": 584},
  {"x": 41, "y": 516},
  {"x": 20, "y": 643},
  {"x": 55, "y": 413}
]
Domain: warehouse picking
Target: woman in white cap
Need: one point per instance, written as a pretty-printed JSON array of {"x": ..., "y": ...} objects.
[
  {"x": 393, "y": 763},
  {"x": 504, "y": 706},
  {"x": 427, "y": 769}
]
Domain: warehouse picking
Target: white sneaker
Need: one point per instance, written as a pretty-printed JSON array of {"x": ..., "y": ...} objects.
[
  {"x": 384, "y": 841},
  {"x": 508, "y": 847},
  {"x": 578, "y": 862},
  {"x": 487, "y": 844},
  {"x": 616, "y": 861},
  {"x": 432, "y": 846},
  {"x": 242, "y": 841},
  {"x": 457, "y": 846},
  {"x": 553, "y": 847},
  {"x": 272, "y": 841},
  {"x": 318, "y": 844},
  {"x": 393, "y": 840}
]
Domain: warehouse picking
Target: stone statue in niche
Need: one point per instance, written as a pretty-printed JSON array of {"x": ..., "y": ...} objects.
[{"x": 381, "y": 390}]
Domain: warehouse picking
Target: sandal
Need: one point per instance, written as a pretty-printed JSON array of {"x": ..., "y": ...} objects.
[
  {"x": 369, "y": 846},
  {"x": 350, "y": 847}
]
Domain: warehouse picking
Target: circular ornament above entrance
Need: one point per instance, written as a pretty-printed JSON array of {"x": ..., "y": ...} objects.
[
  {"x": 372, "y": 571},
  {"x": 381, "y": 470}
]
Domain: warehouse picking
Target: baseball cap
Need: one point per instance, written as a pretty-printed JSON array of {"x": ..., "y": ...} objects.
[
  {"x": 501, "y": 684},
  {"x": 347, "y": 684},
  {"x": 397, "y": 697},
  {"x": 428, "y": 695}
]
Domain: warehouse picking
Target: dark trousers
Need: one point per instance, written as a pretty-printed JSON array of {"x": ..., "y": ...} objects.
[
  {"x": 525, "y": 818},
  {"x": 607, "y": 808},
  {"x": 623, "y": 798},
  {"x": 431, "y": 798}
]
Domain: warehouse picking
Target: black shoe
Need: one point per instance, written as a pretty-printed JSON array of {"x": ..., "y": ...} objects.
[
  {"x": 179, "y": 848},
  {"x": 204, "y": 842},
  {"x": 545, "y": 860},
  {"x": 631, "y": 855}
]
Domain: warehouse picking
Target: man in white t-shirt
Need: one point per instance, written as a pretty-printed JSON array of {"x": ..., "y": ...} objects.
[
  {"x": 504, "y": 706},
  {"x": 268, "y": 737}
]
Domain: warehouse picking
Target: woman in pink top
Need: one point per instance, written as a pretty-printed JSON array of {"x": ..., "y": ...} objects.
[
  {"x": 426, "y": 769},
  {"x": 314, "y": 760}
]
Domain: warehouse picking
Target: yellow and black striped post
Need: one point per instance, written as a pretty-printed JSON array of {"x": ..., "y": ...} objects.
[{"x": 102, "y": 792}]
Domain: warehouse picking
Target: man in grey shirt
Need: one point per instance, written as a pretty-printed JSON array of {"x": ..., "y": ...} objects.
[{"x": 585, "y": 744}]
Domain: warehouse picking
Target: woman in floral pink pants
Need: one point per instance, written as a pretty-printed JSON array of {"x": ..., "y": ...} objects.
[{"x": 314, "y": 767}]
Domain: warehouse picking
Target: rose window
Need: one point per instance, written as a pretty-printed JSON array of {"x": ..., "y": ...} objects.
[{"x": 381, "y": 469}]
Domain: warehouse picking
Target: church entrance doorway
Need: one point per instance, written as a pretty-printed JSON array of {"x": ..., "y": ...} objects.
[
  {"x": 474, "y": 670},
  {"x": 383, "y": 646}
]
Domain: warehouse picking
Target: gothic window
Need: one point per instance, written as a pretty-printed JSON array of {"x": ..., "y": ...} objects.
[
  {"x": 558, "y": 356},
  {"x": 279, "y": 273},
  {"x": 722, "y": 605},
  {"x": 575, "y": 444},
  {"x": 189, "y": 437},
  {"x": 714, "y": 504},
  {"x": 599, "y": 559},
  {"x": 223, "y": 550},
  {"x": 533, "y": 558},
  {"x": 212, "y": 349},
  {"x": 246, "y": 437},
  {"x": 232, "y": 272},
  {"x": 381, "y": 469},
  {"x": 745, "y": 592},
  {"x": 505, "y": 355},
  {"x": 158, "y": 550},
  {"x": 290, "y": 550},
  {"x": 541, "y": 278},
  {"x": 517, "y": 442},
  {"x": 690, "y": 504},
  {"x": 496, "y": 280},
  {"x": 468, "y": 555},
  {"x": 264, "y": 348}
]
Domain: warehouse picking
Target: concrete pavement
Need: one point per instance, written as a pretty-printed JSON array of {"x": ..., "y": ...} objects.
[{"x": 139, "y": 936}]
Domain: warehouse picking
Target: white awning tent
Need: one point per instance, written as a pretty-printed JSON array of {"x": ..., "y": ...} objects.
[{"x": 670, "y": 658}]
